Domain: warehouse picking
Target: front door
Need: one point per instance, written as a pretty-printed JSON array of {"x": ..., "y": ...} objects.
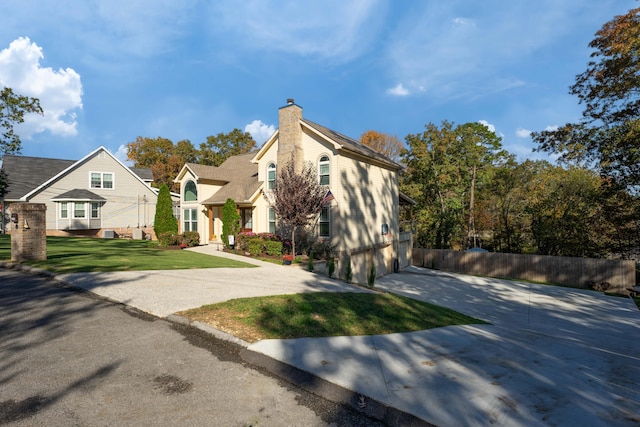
[{"x": 246, "y": 219}]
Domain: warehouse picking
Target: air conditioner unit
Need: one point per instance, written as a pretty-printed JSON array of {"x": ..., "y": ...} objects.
[{"x": 108, "y": 234}]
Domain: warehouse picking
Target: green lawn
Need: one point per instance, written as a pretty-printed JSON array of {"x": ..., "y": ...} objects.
[
  {"x": 320, "y": 314},
  {"x": 81, "y": 254}
]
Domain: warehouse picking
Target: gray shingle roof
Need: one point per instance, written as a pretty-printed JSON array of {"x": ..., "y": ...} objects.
[
  {"x": 351, "y": 144},
  {"x": 207, "y": 172},
  {"x": 26, "y": 173},
  {"x": 145, "y": 174},
  {"x": 242, "y": 180},
  {"x": 80, "y": 195}
]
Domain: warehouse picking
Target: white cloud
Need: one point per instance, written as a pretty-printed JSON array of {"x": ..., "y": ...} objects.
[
  {"x": 121, "y": 155},
  {"x": 523, "y": 133},
  {"x": 398, "y": 90},
  {"x": 259, "y": 131},
  {"x": 491, "y": 127},
  {"x": 551, "y": 128},
  {"x": 59, "y": 92},
  {"x": 462, "y": 21}
]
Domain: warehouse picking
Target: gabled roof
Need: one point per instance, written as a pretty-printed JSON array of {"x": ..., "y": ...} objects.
[
  {"x": 350, "y": 144},
  {"x": 207, "y": 172},
  {"x": 242, "y": 180},
  {"x": 80, "y": 195},
  {"x": 340, "y": 141},
  {"x": 27, "y": 175}
]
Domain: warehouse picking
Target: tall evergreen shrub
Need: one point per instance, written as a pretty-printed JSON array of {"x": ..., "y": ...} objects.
[
  {"x": 164, "y": 221},
  {"x": 230, "y": 221}
]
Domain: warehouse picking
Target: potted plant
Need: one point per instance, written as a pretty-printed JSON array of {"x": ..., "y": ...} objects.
[{"x": 287, "y": 259}]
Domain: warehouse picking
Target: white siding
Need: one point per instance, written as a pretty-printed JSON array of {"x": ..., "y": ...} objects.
[{"x": 124, "y": 206}]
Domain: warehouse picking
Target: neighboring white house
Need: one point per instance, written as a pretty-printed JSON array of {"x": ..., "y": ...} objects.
[
  {"x": 361, "y": 222},
  {"x": 86, "y": 197}
]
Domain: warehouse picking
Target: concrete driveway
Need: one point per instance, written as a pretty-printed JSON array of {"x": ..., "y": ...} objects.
[
  {"x": 164, "y": 292},
  {"x": 551, "y": 355}
]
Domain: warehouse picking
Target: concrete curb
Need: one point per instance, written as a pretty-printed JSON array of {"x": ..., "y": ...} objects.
[{"x": 335, "y": 393}]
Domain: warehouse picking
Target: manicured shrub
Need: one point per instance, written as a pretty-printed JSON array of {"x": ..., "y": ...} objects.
[
  {"x": 230, "y": 221},
  {"x": 164, "y": 221},
  {"x": 191, "y": 238},
  {"x": 273, "y": 248},
  {"x": 243, "y": 238},
  {"x": 255, "y": 246},
  {"x": 310, "y": 261},
  {"x": 322, "y": 250},
  {"x": 331, "y": 267},
  {"x": 371, "y": 278},
  {"x": 168, "y": 239},
  {"x": 348, "y": 272}
]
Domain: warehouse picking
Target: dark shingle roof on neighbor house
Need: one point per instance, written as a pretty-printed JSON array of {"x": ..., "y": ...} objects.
[
  {"x": 26, "y": 173},
  {"x": 80, "y": 195}
]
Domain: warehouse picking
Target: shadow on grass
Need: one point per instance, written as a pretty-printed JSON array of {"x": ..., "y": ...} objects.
[{"x": 84, "y": 255}]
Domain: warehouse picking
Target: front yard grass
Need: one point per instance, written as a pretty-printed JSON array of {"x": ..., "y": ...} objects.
[
  {"x": 324, "y": 314},
  {"x": 82, "y": 254}
]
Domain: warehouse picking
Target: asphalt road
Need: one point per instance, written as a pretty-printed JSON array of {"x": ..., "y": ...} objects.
[{"x": 69, "y": 358}]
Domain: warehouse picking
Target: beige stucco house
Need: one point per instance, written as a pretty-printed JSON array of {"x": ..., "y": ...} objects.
[
  {"x": 361, "y": 222},
  {"x": 90, "y": 196}
]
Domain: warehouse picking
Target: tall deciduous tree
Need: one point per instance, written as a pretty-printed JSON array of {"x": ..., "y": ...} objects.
[
  {"x": 434, "y": 181},
  {"x": 219, "y": 148},
  {"x": 388, "y": 145},
  {"x": 608, "y": 134},
  {"x": 480, "y": 149},
  {"x": 297, "y": 198},
  {"x": 13, "y": 107},
  {"x": 163, "y": 157},
  {"x": 444, "y": 166}
]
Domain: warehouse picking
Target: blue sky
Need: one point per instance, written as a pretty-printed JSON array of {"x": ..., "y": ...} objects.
[{"x": 109, "y": 71}]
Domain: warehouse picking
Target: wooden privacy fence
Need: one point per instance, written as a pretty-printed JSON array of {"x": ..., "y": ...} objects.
[{"x": 567, "y": 271}]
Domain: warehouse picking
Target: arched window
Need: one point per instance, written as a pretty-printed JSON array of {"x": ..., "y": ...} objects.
[
  {"x": 190, "y": 192},
  {"x": 323, "y": 170},
  {"x": 271, "y": 176}
]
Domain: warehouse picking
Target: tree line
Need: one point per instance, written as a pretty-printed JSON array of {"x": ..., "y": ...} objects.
[
  {"x": 470, "y": 192},
  {"x": 165, "y": 159}
]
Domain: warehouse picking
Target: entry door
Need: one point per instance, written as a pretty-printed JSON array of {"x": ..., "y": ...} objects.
[{"x": 246, "y": 219}]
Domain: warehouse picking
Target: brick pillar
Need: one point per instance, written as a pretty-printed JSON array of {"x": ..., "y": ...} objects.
[
  {"x": 29, "y": 233},
  {"x": 290, "y": 135}
]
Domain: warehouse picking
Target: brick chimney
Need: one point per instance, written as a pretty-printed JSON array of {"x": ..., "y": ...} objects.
[{"x": 290, "y": 135}]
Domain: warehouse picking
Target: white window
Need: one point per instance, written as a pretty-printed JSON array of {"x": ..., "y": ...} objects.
[
  {"x": 64, "y": 210},
  {"x": 79, "y": 210},
  {"x": 95, "y": 210},
  {"x": 323, "y": 223},
  {"x": 272, "y": 220},
  {"x": 271, "y": 176},
  {"x": 102, "y": 180},
  {"x": 190, "y": 220},
  {"x": 323, "y": 170}
]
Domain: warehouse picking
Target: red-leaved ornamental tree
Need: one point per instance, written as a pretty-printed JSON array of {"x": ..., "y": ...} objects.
[{"x": 297, "y": 198}]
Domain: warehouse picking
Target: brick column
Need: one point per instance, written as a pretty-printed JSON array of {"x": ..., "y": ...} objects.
[{"x": 28, "y": 234}]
